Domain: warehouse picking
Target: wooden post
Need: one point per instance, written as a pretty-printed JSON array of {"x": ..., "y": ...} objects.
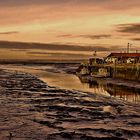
[
  {"x": 128, "y": 47},
  {"x": 115, "y": 68}
]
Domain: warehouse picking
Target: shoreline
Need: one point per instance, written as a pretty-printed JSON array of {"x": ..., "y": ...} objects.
[
  {"x": 123, "y": 90},
  {"x": 65, "y": 68},
  {"x": 30, "y": 109}
]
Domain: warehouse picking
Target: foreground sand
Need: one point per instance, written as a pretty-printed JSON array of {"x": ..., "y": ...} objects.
[{"x": 29, "y": 109}]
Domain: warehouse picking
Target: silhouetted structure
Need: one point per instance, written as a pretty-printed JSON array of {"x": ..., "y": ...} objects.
[{"x": 123, "y": 58}]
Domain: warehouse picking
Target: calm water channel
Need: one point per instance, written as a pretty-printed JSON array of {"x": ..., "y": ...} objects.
[{"x": 53, "y": 77}]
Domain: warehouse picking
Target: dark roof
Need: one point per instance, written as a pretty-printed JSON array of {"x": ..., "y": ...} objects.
[{"x": 124, "y": 55}]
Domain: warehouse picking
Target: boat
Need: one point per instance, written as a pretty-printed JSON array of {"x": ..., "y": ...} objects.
[{"x": 102, "y": 73}]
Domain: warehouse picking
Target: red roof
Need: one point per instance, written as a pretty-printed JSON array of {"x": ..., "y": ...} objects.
[{"x": 124, "y": 55}]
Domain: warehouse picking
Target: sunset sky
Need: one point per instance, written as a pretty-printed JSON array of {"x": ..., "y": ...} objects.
[{"x": 105, "y": 23}]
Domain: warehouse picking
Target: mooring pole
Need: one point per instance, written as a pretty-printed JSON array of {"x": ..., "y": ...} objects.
[{"x": 128, "y": 45}]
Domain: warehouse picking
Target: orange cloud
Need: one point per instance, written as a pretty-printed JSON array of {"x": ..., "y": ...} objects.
[{"x": 63, "y": 21}]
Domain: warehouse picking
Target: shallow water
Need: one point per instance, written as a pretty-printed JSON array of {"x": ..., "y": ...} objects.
[{"x": 56, "y": 77}]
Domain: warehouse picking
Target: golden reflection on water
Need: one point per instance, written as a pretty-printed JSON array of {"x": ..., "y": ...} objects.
[
  {"x": 70, "y": 81},
  {"x": 125, "y": 93}
]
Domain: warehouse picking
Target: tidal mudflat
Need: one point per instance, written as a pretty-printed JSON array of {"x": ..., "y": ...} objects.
[
  {"x": 31, "y": 109},
  {"x": 64, "y": 76}
]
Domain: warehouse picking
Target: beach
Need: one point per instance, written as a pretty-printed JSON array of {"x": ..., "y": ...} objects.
[{"x": 31, "y": 109}]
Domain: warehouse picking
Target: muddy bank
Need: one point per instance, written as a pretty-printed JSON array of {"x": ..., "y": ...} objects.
[{"x": 30, "y": 109}]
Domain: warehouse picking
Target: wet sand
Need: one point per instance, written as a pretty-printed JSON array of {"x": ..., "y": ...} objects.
[{"x": 30, "y": 109}]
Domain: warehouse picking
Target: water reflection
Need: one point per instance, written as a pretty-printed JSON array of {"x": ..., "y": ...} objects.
[
  {"x": 125, "y": 93},
  {"x": 69, "y": 81},
  {"x": 122, "y": 92}
]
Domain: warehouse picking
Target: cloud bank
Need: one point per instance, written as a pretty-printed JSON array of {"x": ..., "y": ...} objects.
[
  {"x": 133, "y": 28},
  {"x": 9, "y": 33},
  {"x": 119, "y": 4}
]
